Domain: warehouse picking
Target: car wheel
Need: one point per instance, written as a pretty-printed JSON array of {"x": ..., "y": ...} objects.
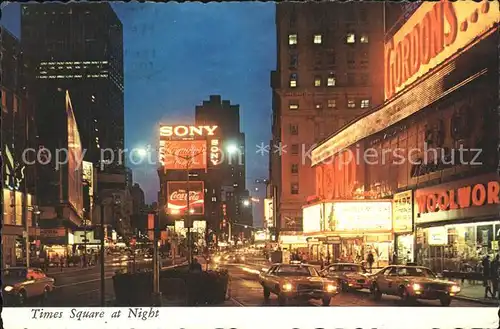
[
  {"x": 22, "y": 298},
  {"x": 405, "y": 296},
  {"x": 326, "y": 301},
  {"x": 445, "y": 301},
  {"x": 267, "y": 294},
  {"x": 282, "y": 300},
  {"x": 377, "y": 294}
]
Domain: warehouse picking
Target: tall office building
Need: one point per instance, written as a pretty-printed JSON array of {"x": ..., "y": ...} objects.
[
  {"x": 329, "y": 71},
  {"x": 227, "y": 180},
  {"x": 79, "y": 47}
]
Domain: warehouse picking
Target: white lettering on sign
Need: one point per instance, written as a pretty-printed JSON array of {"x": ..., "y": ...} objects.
[
  {"x": 182, "y": 196},
  {"x": 214, "y": 152},
  {"x": 187, "y": 131}
]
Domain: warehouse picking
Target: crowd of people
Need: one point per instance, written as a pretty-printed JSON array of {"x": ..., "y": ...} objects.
[{"x": 491, "y": 276}]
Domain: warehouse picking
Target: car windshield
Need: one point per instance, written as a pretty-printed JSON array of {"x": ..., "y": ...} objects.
[
  {"x": 14, "y": 274},
  {"x": 346, "y": 268},
  {"x": 288, "y": 270},
  {"x": 416, "y": 271}
]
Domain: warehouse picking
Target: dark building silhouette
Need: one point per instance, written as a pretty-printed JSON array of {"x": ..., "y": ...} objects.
[
  {"x": 79, "y": 47},
  {"x": 229, "y": 174}
]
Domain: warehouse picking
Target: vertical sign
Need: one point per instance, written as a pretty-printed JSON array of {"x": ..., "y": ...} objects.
[
  {"x": 151, "y": 226},
  {"x": 402, "y": 215}
]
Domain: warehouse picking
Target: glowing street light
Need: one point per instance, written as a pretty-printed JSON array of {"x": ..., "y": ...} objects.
[
  {"x": 246, "y": 203},
  {"x": 232, "y": 148}
]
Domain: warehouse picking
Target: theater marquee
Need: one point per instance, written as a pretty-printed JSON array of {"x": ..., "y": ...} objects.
[{"x": 435, "y": 32}]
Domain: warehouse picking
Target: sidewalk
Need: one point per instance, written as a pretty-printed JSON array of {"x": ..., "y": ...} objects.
[{"x": 474, "y": 293}]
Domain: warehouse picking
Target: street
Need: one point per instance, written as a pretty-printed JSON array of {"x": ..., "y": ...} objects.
[
  {"x": 80, "y": 287},
  {"x": 246, "y": 291}
]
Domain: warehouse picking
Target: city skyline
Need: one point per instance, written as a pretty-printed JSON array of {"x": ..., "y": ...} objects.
[{"x": 173, "y": 99}]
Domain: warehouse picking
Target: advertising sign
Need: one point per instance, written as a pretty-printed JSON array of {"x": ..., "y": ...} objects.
[
  {"x": 260, "y": 236},
  {"x": 75, "y": 185},
  {"x": 186, "y": 131},
  {"x": 268, "y": 212},
  {"x": 177, "y": 198},
  {"x": 53, "y": 232},
  {"x": 175, "y": 155},
  {"x": 199, "y": 226},
  {"x": 312, "y": 218},
  {"x": 88, "y": 175},
  {"x": 466, "y": 198},
  {"x": 402, "y": 215},
  {"x": 437, "y": 236},
  {"x": 434, "y": 32},
  {"x": 358, "y": 216}
]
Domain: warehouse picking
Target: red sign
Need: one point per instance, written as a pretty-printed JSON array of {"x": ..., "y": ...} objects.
[
  {"x": 175, "y": 155},
  {"x": 132, "y": 242},
  {"x": 463, "y": 197},
  {"x": 177, "y": 193}
]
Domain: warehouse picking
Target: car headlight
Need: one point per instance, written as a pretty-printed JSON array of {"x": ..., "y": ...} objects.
[
  {"x": 331, "y": 288},
  {"x": 455, "y": 289},
  {"x": 8, "y": 288},
  {"x": 287, "y": 287},
  {"x": 416, "y": 287}
]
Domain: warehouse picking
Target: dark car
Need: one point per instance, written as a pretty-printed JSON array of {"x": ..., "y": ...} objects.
[
  {"x": 297, "y": 281},
  {"x": 412, "y": 283},
  {"x": 348, "y": 276}
]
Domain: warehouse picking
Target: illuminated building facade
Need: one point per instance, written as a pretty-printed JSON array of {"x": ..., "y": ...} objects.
[
  {"x": 18, "y": 133},
  {"x": 79, "y": 47},
  {"x": 432, "y": 146},
  {"x": 328, "y": 73}
]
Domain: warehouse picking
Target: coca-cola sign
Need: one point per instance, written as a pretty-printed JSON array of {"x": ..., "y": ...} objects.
[{"x": 177, "y": 193}]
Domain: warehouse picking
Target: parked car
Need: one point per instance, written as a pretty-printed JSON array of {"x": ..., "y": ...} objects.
[
  {"x": 348, "y": 276},
  {"x": 20, "y": 284},
  {"x": 412, "y": 283},
  {"x": 297, "y": 281}
]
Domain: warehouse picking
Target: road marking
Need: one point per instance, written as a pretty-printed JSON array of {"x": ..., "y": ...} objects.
[
  {"x": 80, "y": 282},
  {"x": 236, "y": 301}
]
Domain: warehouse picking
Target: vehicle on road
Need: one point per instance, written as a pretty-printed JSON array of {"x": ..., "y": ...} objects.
[
  {"x": 20, "y": 284},
  {"x": 297, "y": 282},
  {"x": 348, "y": 276},
  {"x": 412, "y": 283}
]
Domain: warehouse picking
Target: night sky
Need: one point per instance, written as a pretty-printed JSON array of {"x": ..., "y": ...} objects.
[{"x": 176, "y": 55}]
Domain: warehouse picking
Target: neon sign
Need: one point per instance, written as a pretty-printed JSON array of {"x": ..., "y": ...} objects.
[{"x": 187, "y": 131}]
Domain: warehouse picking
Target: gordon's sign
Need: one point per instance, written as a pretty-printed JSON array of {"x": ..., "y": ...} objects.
[
  {"x": 435, "y": 32},
  {"x": 187, "y": 131}
]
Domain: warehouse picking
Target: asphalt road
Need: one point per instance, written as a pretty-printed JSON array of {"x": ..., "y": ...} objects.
[
  {"x": 80, "y": 287},
  {"x": 246, "y": 291}
]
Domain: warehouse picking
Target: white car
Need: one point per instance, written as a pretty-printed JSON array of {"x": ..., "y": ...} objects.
[{"x": 19, "y": 284}]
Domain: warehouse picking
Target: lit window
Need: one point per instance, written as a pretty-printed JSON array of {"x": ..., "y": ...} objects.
[
  {"x": 351, "y": 103},
  {"x": 295, "y": 188},
  {"x": 331, "y": 80},
  {"x": 332, "y": 103},
  {"x": 317, "y": 39},
  {"x": 351, "y": 38},
  {"x": 363, "y": 38},
  {"x": 317, "y": 81},
  {"x": 365, "y": 103},
  {"x": 293, "y": 80},
  {"x": 293, "y": 105},
  {"x": 292, "y": 39},
  {"x": 318, "y": 106}
]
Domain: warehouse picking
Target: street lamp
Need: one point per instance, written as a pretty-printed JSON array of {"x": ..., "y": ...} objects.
[
  {"x": 246, "y": 203},
  {"x": 232, "y": 148}
]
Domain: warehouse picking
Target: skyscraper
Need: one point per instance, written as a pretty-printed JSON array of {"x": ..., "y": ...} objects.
[
  {"x": 329, "y": 71},
  {"x": 230, "y": 174},
  {"x": 79, "y": 47}
]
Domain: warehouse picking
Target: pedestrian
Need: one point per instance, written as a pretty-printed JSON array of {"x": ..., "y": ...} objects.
[
  {"x": 486, "y": 276},
  {"x": 61, "y": 262},
  {"x": 370, "y": 260},
  {"x": 395, "y": 258},
  {"x": 494, "y": 267}
]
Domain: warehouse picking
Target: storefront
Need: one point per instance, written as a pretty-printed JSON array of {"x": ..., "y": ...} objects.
[
  {"x": 293, "y": 242},
  {"x": 57, "y": 241},
  {"x": 346, "y": 231},
  {"x": 457, "y": 223},
  {"x": 402, "y": 223}
]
